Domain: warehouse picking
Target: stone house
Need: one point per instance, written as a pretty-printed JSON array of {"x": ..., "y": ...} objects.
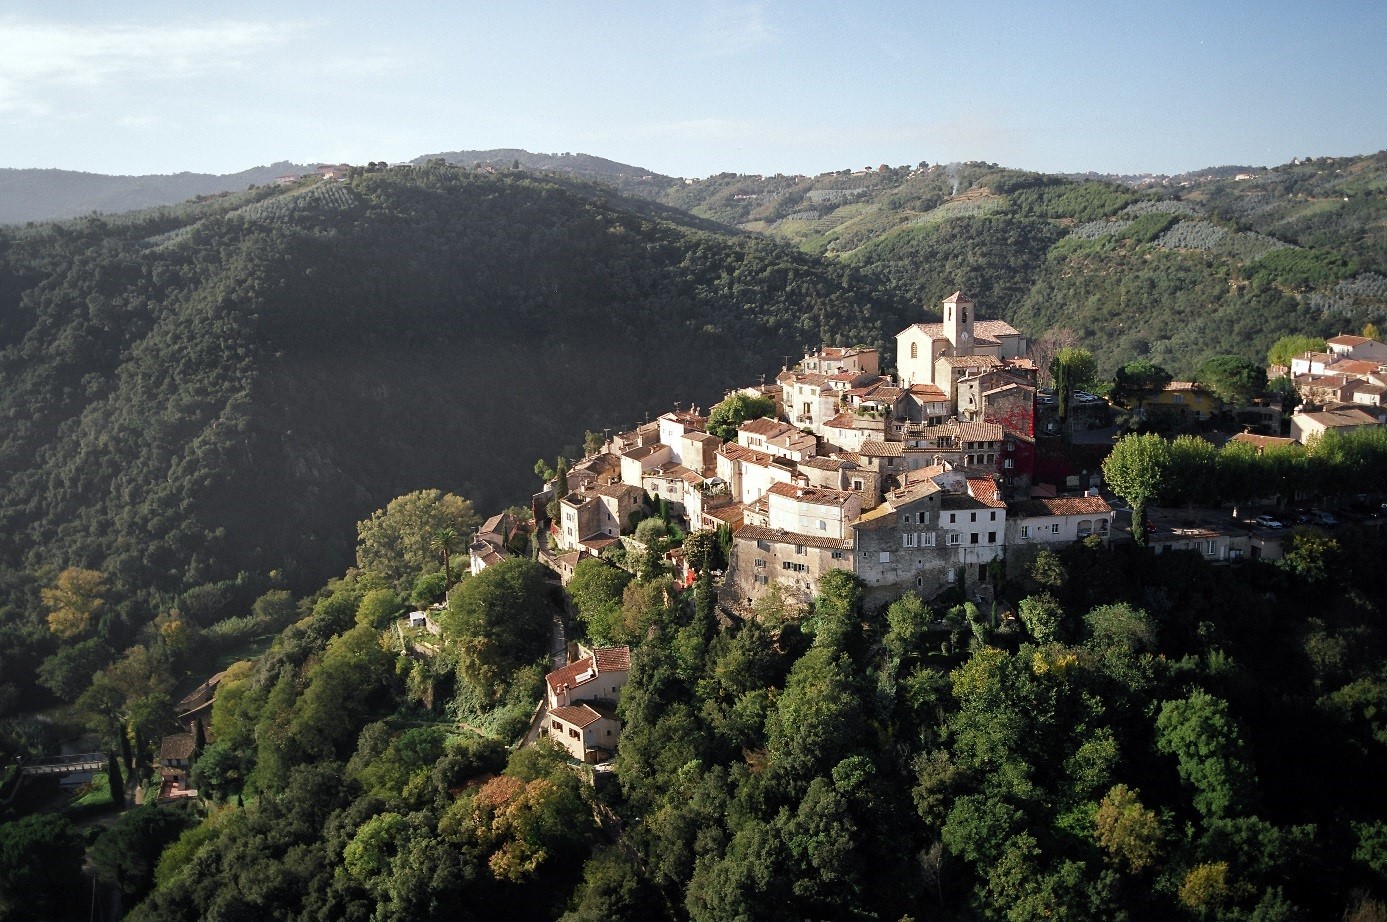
[
  {"x": 581, "y": 701},
  {"x": 762, "y": 556},
  {"x": 777, "y": 439},
  {"x": 832, "y": 360},
  {"x": 750, "y": 473},
  {"x": 699, "y": 451},
  {"x": 673, "y": 483},
  {"x": 1057, "y": 520},
  {"x": 635, "y": 462},
  {"x": 675, "y": 425},
  {"x": 600, "y": 510},
  {"x": 1305, "y": 426},
  {"x": 848, "y": 430}
]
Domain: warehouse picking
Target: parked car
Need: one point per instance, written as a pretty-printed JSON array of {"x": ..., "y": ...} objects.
[
  {"x": 1320, "y": 517},
  {"x": 1267, "y": 521},
  {"x": 1086, "y": 397}
]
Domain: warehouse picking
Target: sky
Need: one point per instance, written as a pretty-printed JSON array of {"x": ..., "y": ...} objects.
[{"x": 692, "y": 88}]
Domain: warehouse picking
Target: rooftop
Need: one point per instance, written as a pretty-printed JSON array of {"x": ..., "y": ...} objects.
[
  {"x": 780, "y": 536},
  {"x": 990, "y": 329},
  {"x": 1061, "y": 505},
  {"x": 819, "y": 496}
]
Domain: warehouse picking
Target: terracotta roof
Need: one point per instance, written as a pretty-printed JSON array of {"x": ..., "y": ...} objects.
[
  {"x": 810, "y": 377},
  {"x": 958, "y": 297},
  {"x": 617, "y": 490},
  {"x": 613, "y": 659},
  {"x": 686, "y": 418},
  {"x": 985, "y": 491},
  {"x": 177, "y": 746},
  {"x": 872, "y": 448},
  {"x": 604, "y": 660},
  {"x": 818, "y": 495},
  {"x": 979, "y": 432},
  {"x": 1332, "y": 419},
  {"x": 843, "y": 420},
  {"x": 927, "y": 393},
  {"x": 1347, "y": 340},
  {"x": 643, "y": 452},
  {"x": 579, "y": 715},
  {"x": 988, "y": 328},
  {"x": 780, "y": 536},
  {"x": 1062, "y": 505},
  {"x": 734, "y": 452},
  {"x": 765, "y": 426},
  {"x": 971, "y": 361},
  {"x": 703, "y": 437},
  {"x": 1353, "y": 367},
  {"x": 1261, "y": 442},
  {"x": 843, "y": 352},
  {"x": 1184, "y": 386},
  {"x": 826, "y": 464}
]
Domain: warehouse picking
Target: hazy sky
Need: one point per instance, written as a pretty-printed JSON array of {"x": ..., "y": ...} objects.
[{"x": 691, "y": 88}]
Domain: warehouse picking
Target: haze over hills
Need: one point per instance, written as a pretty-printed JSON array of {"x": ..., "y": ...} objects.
[{"x": 47, "y": 194}]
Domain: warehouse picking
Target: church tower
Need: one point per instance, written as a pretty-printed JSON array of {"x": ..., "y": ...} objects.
[{"x": 958, "y": 323}]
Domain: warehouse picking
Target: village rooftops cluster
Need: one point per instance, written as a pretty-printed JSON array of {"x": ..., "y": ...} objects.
[
  {"x": 904, "y": 483},
  {"x": 1340, "y": 386}
]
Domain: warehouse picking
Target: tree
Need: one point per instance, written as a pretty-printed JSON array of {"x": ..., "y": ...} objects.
[
  {"x": 1289, "y": 347},
  {"x": 1209, "y": 751},
  {"x": 40, "y": 867},
  {"x": 1127, "y": 830},
  {"x": 219, "y": 772},
  {"x": 596, "y": 589},
  {"x": 1042, "y": 616},
  {"x": 560, "y": 487},
  {"x": 1311, "y": 555},
  {"x": 395, "y": 542},
  {"x": 75, "y": 598},
  {"x": 1136, "y": 381},
  {"x": 443, "y": 543},
  {"x": 1232, "y": 378},
  {"x": 378, "y": 607},
  {"x": 499, "y": 620},
  {"x": 701, "y": 549},
  {"x": 736, "y": 409},
  {"x": 1073, "y": 369},
  {"x": 592, "y": 443},
  {"x": 126, "y": 854},
  {"x": 1048, "y": 345},
  {"x": 1135, "y": 470},
  {"x": 1370, "y": 331}
]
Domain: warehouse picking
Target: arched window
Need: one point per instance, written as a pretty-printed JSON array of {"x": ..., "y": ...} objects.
[{"x": 914, "y": 350}]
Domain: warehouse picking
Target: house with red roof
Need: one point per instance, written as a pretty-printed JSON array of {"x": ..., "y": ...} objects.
[{"x": 581, "y": 700}]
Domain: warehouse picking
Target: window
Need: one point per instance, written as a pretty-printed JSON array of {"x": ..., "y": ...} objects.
[
  {"x": 1085, "y": 527},
  {"x": 799, "y": 549},
  {"x": 884, "y": 557},
  {"x": 574, "y": 733},
  {"x": 952, "y": 518},
  {"x": 856, "y": 484},
  {"x": 1055, "y": 528},
  {"x": 823, "y": 526},
  {"x": 761, "y": 579},
  {"x": 837, "y": 555},
  {"x": 973, "y": 538},
  {"x": 953, "y": 537},
  {"x": 555, "y": 725},
  {"x": 1102, "y": 526},
  {"x": 910, "y": 540},
  {"x": 1210, "y": 548},
  {"x": 1025, "y": 531},
  {"x": 994, "y": 515},
  {"x": 760, "y": 564},
  {"x": 1008, "y": 463},
  {"x": 914, "y": 350},
  {"x": 905, "y": 518},
  {"x": 763, "y": 545},
  {"x": 927, "y": 539},
  {"x": 991, "y": 537},
  {"x": 972, "y": 516}
]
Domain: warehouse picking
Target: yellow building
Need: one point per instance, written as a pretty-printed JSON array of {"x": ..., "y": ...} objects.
[{"x": 1184, "y": 400}]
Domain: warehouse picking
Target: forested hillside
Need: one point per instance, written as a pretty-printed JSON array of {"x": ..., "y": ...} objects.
[
  {"x": 197, "y": 392},
  {"x": 1175, "y": 275}
]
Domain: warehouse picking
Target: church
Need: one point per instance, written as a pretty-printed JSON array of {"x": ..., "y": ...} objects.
[{"x": 940, "y": 354}]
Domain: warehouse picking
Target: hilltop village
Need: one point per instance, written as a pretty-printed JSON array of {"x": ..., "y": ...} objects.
[
  {"x": 911, "y": 483},
  {"x": 926, "y": 482}
]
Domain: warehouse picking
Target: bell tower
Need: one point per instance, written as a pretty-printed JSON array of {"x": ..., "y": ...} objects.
[{"x": 958, "y": 323}]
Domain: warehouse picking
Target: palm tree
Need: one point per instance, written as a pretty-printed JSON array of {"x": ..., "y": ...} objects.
[{"x": 444, "y": 542}]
